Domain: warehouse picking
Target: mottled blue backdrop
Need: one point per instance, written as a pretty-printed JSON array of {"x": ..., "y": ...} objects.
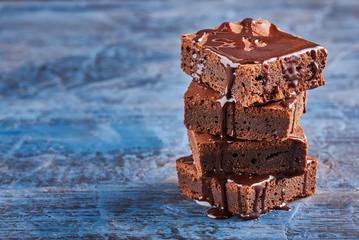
[{"x": 91, "y": 120}]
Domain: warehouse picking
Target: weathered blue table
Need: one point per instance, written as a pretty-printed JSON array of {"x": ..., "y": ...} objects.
[{"x": 91, "y": 118}]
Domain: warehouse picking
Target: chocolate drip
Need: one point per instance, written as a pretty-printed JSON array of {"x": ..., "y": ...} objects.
[
  {"x": 227, "y": 100},
  {"x": 224, "y": 27},
  {"x": 220, "y": 212},
  {"x": 220, "y": 145},
  {"x": 264, "y": 208},
  {"x": 257, "y": 211},
  {"x": 283, "y": 205},
  {"x": 288, "y": 103}
]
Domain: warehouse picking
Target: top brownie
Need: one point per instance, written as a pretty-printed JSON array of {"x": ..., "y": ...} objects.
[{"x": 253, "y": 61}]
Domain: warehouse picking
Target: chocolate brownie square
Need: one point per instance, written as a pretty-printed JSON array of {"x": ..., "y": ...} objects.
[
  {"x": 274, "y": 120},
  {"x": 249, "y": 157},
  {"x": 253, "y": 61},
  {"x": 247, "y": 196}
]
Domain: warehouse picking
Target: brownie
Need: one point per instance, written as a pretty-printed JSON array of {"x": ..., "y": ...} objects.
[
  {"x": 250, "y": 157},
  {"x": 247, "y": 196},
  {"x": 253, "y": 61},
  {"x": 274, "y": 120}
]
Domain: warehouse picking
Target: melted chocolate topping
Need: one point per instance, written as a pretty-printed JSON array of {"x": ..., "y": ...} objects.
[
  {"x": 221, "y": 143},
  {"x": 256, "y": 41},
  {"x": 220, "y": 212}
]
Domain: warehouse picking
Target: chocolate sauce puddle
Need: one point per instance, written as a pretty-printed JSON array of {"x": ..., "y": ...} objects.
[{"x": 222, "y": 211}]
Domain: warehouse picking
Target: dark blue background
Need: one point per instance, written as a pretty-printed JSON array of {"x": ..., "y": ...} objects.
[{"x": 91, "y": 120}]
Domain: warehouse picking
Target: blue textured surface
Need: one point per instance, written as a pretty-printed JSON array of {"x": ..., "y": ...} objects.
[{"x": 91, "y": 118}]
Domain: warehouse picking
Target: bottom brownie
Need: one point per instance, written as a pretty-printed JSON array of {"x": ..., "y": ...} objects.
[{"x": 247, "y": 196}]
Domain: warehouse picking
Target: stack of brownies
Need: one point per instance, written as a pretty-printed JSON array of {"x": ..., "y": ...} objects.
[{"x": 249, "y": 90}]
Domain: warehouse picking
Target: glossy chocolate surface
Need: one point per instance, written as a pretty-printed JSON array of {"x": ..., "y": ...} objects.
[{"x": 250, "y": 41}]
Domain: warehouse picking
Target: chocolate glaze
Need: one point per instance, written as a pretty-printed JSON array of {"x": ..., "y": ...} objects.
[
  {"x": 250, "y": 46},
  {"x": 221, "y": 143},
  {"x": 227, "y": 100}
]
